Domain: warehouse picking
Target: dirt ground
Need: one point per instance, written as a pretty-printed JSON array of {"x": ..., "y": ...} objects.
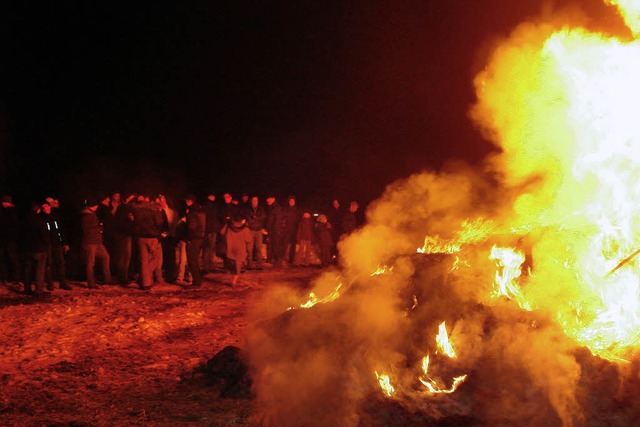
[{"x": 120, "y": 356}]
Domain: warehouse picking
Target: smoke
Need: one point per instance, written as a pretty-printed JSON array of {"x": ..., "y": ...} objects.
[{"x": 317, "y": 366}]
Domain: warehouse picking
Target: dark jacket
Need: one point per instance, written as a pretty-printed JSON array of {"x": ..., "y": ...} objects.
[
  {"x": 149, "y": 220},
  {"x": 91, "y": 227},
  {"x": 196, "y": 222},
  {"x": 54, "y": 229},
  {"x": 123, "y": 221},
  {"x": 36, "y": 238},
  {"x": 275, "y": 219},
  {"x": 256, "y": 218},
  {"x": 305, "y": 229}
]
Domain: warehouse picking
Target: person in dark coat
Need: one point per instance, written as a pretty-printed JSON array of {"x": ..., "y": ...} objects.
[
  {"x": 9, "y": 226},
  {"x": 150, "y": 225},
  {"x": 276, "y": 232},
  {"x": 291, "y": 217},
  {"x": 58, "y": 247},
  {"x": 213, "y": 228},
  {"x": 256, "y": 221},
  {"x": 351, "y": 219},
  {"x": 36, "y": 246},
  {"x": 123, "y": 239},
  {"x": 325, "y": 239},
  {"x": 304, "y": 237},
  {"x": 92, "y": 244},
  {"x": 196, "y": 231}
]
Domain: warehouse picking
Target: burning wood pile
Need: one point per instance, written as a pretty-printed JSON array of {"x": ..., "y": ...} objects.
[{"x": 522, "y": 304}]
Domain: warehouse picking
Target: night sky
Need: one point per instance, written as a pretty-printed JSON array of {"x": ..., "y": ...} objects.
[{"x": 314, "y": 98}]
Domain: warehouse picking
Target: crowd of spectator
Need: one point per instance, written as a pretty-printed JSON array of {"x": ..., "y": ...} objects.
[{"x": 134, "y": 238}]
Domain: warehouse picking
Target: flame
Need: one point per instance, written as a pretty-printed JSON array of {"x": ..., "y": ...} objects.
[
  {"x": 472, "y": 231},
  {"x": 442, "y": 340},
  {"x": 508, "y": 262},
  {"x": 562, "y": 106},
  {"x": 313, "y": 299},
  {"x": 385, "y": 384},
  {"x": 432, "y": 385},
  {"x": 630, "y": 11},
  {"x": 382, "y": 269}
]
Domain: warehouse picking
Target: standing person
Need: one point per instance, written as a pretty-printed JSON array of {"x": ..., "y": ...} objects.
[
  {"x": 150, "y": 225},
  {"x": 169, "y": 241},
  {"x": 36, "y": 247},
  {"x": 9, "y": 225},
  {"x": 211, "y": 235},
  {"x": 196, "y": 230},
  {"x": 238, "y": 238},
  {"x": 92, "y": 244},
  {"x": 291, "y": 216},
  {"x": 106, "y": 215},
  {"x": 123, "y": 239},
  {"x": 303, "y": 238},
  {"x": 325, "y": 240},
  {"x": 275, "y": 232},
  {"x": 57, "y": 248},
  {"x": 351, "y": 218},
  {"x": 256, "y": 218}
]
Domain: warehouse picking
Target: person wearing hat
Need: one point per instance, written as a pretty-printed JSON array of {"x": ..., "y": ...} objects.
[
  {"x": 36, "y": 246},
  {"x": 325, "y": 239},
  {"x": 92, "y": 244}
]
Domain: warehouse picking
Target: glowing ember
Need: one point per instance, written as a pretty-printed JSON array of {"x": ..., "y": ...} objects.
[
  {"x": 442, "y": 340},
  {"x": 385, "y": 384}
]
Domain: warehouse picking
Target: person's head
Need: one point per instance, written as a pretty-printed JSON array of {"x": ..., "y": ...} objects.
[
  {"x": 306, "y": 215},
  {"x": 254, "y": 202},
  {"x": 105, "y": 200},
  {"x": 292, "y": 201},
  {"x": 190, "y": 200},
  {"x": 227, "y": 198},
  {"x": 336, "y": 204},
  {"x": 7, "y": 201},
  {"x": 245, "y": 198},
  {"x": 161, "y": 199},
  {"x": 115, "y": 197},
  {"x": 237, "y": 219},
  {"x": 322, "y": 219},
  {"x": 45, "y": 207},
  {"x": 270, "y": 200},
  {"x": 353, "y": 206},
  {"x": 211, "y": 196}
]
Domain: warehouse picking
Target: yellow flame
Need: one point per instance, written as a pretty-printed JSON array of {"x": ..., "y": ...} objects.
[
  {"x": 432, "y": 386},
  {"x": 472, "y": 231},
  {"x": 382, "y": 269},
  {"x": 385, "y": 384},
  {"x": 313, "y": 299},
  {"x": 508, "y": 262},
  {"x": 563, "y": 107},
  {"x": 442, "y": 340}
]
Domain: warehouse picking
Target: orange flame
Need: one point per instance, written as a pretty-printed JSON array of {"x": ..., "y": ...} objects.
[
  {"x": 442, "y": 340},
  {"x": 508, "y": 262}
]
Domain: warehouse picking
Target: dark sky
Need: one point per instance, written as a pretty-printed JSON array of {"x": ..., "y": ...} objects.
[{"x": 314, "y": 98}]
